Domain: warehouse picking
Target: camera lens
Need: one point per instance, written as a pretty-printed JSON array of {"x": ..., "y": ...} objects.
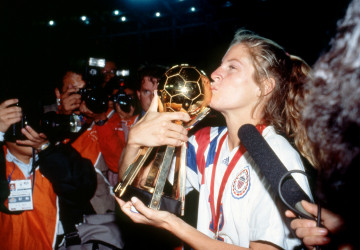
[
  {"x": 125, "y": 101},
  {"x": 96, "y": 100},
  {"x": 58, "y": 127},
  {"x": 82, "y": 91}
]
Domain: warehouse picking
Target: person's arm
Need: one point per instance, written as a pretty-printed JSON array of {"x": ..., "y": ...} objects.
[
  {"x": 309, "y": 232},
  {"x": 178, "y": 227},
  {"x": 154, "y": 129},
  {"x": 72, "y": 176}
]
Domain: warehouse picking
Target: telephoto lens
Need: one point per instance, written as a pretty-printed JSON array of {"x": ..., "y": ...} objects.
[{"x": 58, "y": 127}]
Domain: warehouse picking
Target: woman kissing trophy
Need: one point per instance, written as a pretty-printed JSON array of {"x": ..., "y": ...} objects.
[{"x": 182, "y": 88}]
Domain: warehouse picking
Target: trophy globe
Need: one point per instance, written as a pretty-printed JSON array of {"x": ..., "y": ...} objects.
[{"x": 185, "y": 88}]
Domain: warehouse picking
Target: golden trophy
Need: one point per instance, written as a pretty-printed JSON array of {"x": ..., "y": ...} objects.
[{"x": 183, "y": 88}]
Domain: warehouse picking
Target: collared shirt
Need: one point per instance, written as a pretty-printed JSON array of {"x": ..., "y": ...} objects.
[
  {"x": 243, "y": 218},
  {"x": 25, "y": 168}
]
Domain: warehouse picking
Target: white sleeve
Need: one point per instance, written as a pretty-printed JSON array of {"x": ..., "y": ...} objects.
[
  {"x": 171, "y": 175},
  {"x": 291, "y": 160}
]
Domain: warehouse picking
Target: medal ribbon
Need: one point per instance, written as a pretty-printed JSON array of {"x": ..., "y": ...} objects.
[{"x": 229, "y": 169}]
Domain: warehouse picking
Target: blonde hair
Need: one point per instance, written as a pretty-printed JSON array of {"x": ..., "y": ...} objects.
[{"x": 283, "y": 107}]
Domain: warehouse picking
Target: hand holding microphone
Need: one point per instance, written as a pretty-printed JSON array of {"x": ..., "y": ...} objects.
[
  {"x": 284, "y": 185},
  {"x": 309, "y": 231}
]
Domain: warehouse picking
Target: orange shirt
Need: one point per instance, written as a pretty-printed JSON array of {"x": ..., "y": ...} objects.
[
  {"x": 32, "y": 229},
  {"x": 112, "y": 139},
  {"x": 87, "y": 145}
]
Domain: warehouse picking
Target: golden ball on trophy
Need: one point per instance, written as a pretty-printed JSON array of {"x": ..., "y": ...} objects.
[{"x": 185, "y": 88}]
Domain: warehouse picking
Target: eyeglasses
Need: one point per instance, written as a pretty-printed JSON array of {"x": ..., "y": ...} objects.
[{"x": 109, "y": 72}]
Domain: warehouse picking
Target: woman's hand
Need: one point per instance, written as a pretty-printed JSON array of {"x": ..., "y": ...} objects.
[
  {"x": 139, "y": 213},
  {"x": 9, "y": 114},
  {"x": 157, "y": 129},
  {"x": 34, "y": 139},
  {"x": 308, "y": 231}
]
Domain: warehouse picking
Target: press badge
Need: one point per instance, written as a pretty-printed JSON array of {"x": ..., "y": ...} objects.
[{"x": 20, "y": 197}]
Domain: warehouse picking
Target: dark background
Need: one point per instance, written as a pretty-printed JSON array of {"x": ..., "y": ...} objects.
[{"x": 32, "y": 52}]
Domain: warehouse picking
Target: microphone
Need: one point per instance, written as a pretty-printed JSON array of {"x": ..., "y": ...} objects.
[{"x": 274, "y": 170}]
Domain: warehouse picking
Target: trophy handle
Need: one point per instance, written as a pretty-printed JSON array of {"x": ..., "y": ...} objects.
[
  {"x": 198, "y": 118},
  {"x": 163, "y": 173},
  {"x": 154, "y": 169},
  {"x": 180, "y": 176},
  {"x": 132, "y": 171}
]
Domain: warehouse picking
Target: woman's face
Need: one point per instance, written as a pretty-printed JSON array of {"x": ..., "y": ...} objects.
[{"x": 233, "y": 86}]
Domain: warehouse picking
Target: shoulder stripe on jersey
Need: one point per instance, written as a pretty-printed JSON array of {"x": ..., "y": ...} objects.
[
  {"x": 205, "y": 139},
  {"x": 202, "y": 138},
  {"x": 191, "y": 157},
  {"x": 212, "y": 147}
]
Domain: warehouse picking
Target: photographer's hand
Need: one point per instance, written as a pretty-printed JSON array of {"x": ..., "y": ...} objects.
[
  {"x": 70, "y": 101},
  {"x": 34, "y": 139},
  {"x": 9, "y": 114},
  {"x": 86, "y": 111}
]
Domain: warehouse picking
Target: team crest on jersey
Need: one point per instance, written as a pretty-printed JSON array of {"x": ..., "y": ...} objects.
[{"x": 241, "y": 184}]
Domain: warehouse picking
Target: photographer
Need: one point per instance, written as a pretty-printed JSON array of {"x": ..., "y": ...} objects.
[
  {"x": 113, "y": 131},
  {"x": 56, "y": 182},
  {"x": 67, "y": 86},
  {"x": 108, "y": 72},
  {"x": 83, "y": 103}
]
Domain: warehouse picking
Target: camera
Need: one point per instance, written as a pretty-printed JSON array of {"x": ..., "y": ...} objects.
[
  {"x": 93, "y": 94},
  {"x": 94, "y": 78},
  {"x": 55, "y": 126},
  {"x": 115, "y": 88},
  {"x": 14, "y": 131},
  {"x": 95, "y": 99},
  {"x": 125, "y": 101}
]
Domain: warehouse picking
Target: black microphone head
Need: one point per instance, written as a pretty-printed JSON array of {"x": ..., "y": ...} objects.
[{"x": 270, "y": 165}]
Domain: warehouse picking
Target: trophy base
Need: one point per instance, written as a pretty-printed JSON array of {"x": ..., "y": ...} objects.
[{"x": 166, "y": 203}]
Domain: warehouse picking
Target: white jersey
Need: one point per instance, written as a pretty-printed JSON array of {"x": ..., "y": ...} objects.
[{"x": 248, "y": 211}]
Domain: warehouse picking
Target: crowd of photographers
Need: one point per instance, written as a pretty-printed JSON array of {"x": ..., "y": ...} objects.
[{"x": 69, "y": 151}]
